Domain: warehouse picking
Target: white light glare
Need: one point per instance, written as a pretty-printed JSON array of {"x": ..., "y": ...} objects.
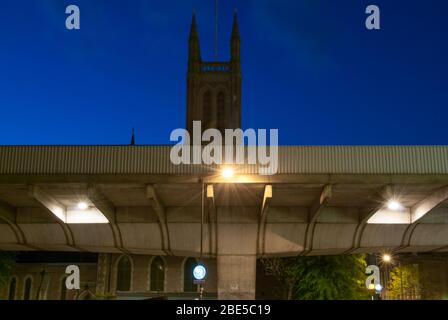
[
  {"x": 394, "y": 205},
  {"x": 387, "y": 258},
  {"x": 227, "y": 173},
  {"x": 82, "y": 206}
]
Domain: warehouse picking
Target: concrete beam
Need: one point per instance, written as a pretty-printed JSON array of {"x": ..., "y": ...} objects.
[
  {"x": 159, "y": 208},
  {"x": 48, "y": 202},
  {"x": 315, "y": 211},
  {"x": 421, "y": 209},
  {"x": 429, "y": 203},
  {"x": 7, "y": 212},
  {"x": 212, "y": 220},
  {"x": 9, "y": 215},
  {"x": 100, "y": 201},
  {"x": 210, "y": 192},
  {"x": 267, "y": 197},
  {"x": 106, "y": 207},
  {"x": 385, "y": 193},
  {"x": 55, "y": 207}
]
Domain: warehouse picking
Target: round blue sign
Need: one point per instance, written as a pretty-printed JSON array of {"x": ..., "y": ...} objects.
[{"x": 199, "y": 272}]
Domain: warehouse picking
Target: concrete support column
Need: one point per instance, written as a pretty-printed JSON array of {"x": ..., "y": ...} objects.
[
  {"x": 236, "y": 277},
  {"x": 103, "y": 270}
]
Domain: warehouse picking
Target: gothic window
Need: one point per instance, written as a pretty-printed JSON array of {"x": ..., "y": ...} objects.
[
  {"x": 189, "y": 285},
  {"x": 63, "y": 289},
  {"x": 27, "y": 288},
  {"x": 12, "y": 289},
  {"x": 207, "y": 109},
  {"x": 157, "y": 280},
  {"x": 221, "y": 103},
  {"x": 124, "y": 272}
]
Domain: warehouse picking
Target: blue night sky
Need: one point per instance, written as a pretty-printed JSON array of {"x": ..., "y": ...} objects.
[{"x": 310, "y": 69}]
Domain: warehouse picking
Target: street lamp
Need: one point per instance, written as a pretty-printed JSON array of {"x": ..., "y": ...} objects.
[
  {"x": 387, "y": 260},
  {"x": 199, "y": 274}
]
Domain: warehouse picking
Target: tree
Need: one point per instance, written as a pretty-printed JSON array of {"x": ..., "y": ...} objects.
[
  {"x": 404, "y": 283},
  {"x": 320, "y": 277},
  {"x": 6, "y": 265},
  {"x": 285, "y": 271}
]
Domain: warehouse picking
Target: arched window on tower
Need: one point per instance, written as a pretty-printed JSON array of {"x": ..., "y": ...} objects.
[
  {"x": 189, "y": 285},
  {"x": 157, "y": 275},
  {"x": 124, "y": 272},
  {"x": 221, "y": 105},
  {"x": 207, "y": 110},
  {"x": 12, "y": 289},
  {"x": 27, "y": 288}
]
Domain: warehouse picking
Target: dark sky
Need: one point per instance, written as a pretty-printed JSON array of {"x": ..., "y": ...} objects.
[{"x": 310, "y": 69}]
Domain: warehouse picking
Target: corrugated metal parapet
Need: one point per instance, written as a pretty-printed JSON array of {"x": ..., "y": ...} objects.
[
  {"x": 364, "y": 159},
  {"x": 156, "y": 160}
]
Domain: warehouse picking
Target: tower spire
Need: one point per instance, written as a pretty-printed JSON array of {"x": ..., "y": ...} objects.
[
  {"x": 194, "y": 51},
  {"x": 193, "y": 28},
  {"x": 235, "y": 29},
  {"x": 133, "y": 138},
  {"x": 235, "y": 44}
]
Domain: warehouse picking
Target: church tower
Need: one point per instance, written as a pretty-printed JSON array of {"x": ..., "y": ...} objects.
[{"x": 214, "y": 88}]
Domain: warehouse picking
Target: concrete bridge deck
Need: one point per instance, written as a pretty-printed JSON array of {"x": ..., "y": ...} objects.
[{"x": 324, "y": 200}]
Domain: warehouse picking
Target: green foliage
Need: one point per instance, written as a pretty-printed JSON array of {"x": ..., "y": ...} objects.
[
  {"x": 104, "y": 296},
  {"x": 320, "y": 277},
  {"x": 7, "y": 261},
  {"x": 404, "y": 283}
]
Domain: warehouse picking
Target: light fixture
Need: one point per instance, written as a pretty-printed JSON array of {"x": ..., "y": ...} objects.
[
  {"x": 90, "y": 215},
  {"x": 371, "y": 286},
  {"x": 378, "y": 287},
  {"x": 387, "y": 257},
  {"x": 199, "y": 272},
  {"x": 227, "y": 173},
  {"x": 394, "y": 205},
  {"x": 82, "y": 205}
]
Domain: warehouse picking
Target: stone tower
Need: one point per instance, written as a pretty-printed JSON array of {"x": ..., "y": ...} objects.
[{"x": 214, "y": 88}]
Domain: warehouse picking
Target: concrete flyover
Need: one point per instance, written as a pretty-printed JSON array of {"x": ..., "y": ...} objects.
[{"x": 324, "y": 200}]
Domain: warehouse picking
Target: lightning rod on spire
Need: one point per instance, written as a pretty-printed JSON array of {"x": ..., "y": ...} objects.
[{"x": 216, "y": 30}]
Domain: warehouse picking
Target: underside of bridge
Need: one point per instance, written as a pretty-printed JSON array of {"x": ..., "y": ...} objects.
[
  {"x": 276, "y": 219},
  {"x": 151, "y": 210}
]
